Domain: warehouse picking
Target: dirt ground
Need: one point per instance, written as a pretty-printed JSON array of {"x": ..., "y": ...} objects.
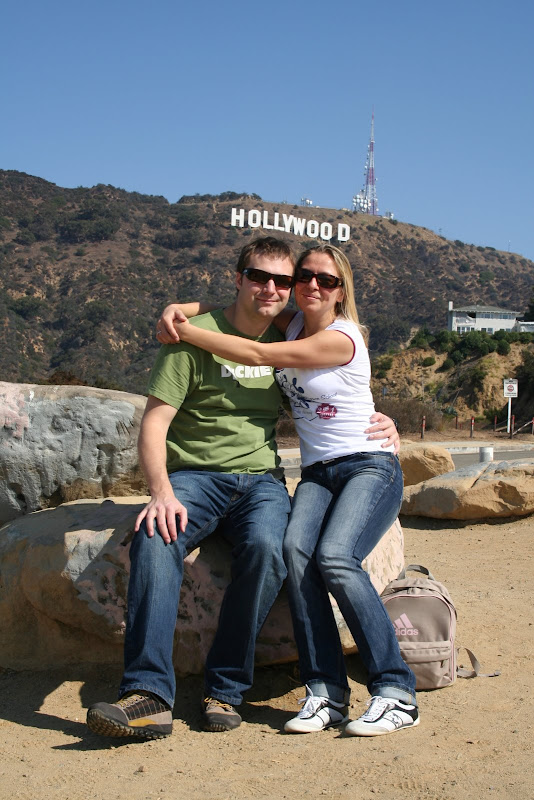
[{"x": 475, "y": 739}]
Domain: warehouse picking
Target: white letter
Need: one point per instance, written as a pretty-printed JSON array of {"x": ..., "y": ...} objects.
[
  {"x": 265, "y": 371},
  {"x": 238, "y": 217},
  {"x": 254, "y": 218},
  {"x": 298, "y": 226},
  {"x": 343, "y": 232},
  {"x": 312, "y": 229},
  {"x": 239, "y": 371},
  {"x": 288, "y": 221},
  {"x": 276, "y": 223},
  {"x": 326, "y": 231},
  {"x": 226, "y": 371},
  {"x": 265, "y": 223}
]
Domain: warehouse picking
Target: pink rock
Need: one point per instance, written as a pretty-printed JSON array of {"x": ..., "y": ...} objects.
[{"x": 63, "y": 584}]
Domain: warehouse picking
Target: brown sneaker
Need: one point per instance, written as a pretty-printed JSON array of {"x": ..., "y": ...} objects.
[
  {"x": 219, "y": 716},
  {"x": 138, "y": 714}
]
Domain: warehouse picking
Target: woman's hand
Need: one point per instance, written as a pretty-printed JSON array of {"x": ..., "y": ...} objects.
[
  {"x": 166, "y": 333},
  {"x": 383, "y": 427}
]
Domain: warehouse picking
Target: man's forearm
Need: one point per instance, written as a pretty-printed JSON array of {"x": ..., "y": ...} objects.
[
  {"x": 153, "y": 458},
  {"x": 164, "y": 509},
  {"x": 152, "y": 445}
]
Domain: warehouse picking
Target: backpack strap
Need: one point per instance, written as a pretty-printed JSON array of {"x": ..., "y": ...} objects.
[
  {"x": 415, "y": 568},
  {"x": 475, "y": 672}
]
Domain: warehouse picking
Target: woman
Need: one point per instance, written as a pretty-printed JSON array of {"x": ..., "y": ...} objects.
[{"x": 348, "y": 497}]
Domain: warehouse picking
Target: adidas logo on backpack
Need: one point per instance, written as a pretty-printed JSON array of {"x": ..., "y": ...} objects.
[
  {"x": 424, "y": 618},
  {"x": 403, "y": 626}
]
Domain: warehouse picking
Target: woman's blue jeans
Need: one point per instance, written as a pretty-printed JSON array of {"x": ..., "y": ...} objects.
[
  {"x": 251, "y": 511},
  {"x": 341, "y": 510}
]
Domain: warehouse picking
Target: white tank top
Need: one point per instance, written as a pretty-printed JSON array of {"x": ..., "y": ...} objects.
[{"x": 331, "y": 407}]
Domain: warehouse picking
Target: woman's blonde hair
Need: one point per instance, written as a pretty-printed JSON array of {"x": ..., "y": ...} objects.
[{"x": 346, "y": 307}]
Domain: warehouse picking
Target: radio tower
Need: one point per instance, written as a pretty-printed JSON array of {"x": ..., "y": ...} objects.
[{"x": 366, "y": 201}]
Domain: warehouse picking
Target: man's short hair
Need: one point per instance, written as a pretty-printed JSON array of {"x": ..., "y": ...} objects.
[{"x": 266, "y": 246}]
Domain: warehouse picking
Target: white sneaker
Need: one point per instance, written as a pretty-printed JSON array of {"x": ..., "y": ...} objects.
[
  {"x": 384, "y": 715},
  {"x": 316, "y": 714}
]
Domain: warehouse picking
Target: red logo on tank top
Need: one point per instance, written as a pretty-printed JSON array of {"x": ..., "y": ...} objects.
[{"x": 326, "y": 411}]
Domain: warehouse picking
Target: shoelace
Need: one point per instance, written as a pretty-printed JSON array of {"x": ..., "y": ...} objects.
[
  {"x": 312, "y": 704},
  {"x": 376, "y": 707},
  {"x": 130, "y": 700},
  {"x": 212, "y": 701}
]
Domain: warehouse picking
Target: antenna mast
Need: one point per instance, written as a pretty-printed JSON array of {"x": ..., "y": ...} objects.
[{"x": 366, "y": 201}]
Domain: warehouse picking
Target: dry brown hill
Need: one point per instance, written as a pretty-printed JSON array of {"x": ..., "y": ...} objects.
[
  {"x": 84, "y": 273},
  {"x": 473, "y": 387}
]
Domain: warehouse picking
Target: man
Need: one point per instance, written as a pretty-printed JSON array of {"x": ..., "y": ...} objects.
[{"x": 207, "y": 448}]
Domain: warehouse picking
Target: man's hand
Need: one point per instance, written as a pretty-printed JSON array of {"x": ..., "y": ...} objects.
[
  {"x": 165, "y": 331},
  {"x": 163, "y": 506},
  {"x": 164, "y": 509},
  {"x": 383, "y": 427}
]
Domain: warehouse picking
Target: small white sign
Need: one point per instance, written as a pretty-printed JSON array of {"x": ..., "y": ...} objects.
[{"x": 510, "y": 388}]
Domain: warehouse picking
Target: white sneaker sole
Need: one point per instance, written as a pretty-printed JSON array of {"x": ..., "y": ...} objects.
[
  {"x": 300, "y": 726},
  {"x": 364, "y": 729}
]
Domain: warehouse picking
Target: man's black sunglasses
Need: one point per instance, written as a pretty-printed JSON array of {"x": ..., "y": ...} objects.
[
  {"x": 324, "y": 280},
  {"x": 260, "y": 276}
]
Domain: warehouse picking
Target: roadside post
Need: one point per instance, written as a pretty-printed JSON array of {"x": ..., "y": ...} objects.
[{"x": 510, "y": 390}]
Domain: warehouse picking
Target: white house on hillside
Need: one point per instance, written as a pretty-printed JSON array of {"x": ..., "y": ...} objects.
[{"x": 483, "y": 318}]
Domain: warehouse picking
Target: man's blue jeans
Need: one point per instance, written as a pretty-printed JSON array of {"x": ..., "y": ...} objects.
[
  {"x": 251, "y": 511},
  {"x": 341, "y": 510}
]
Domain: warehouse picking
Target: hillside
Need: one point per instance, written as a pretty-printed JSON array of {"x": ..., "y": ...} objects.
[
  {"x": 85, "y": 272},
  {"x": 472, "y": 387}
]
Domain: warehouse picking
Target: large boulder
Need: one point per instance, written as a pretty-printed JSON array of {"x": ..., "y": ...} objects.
[
  {"x": 419, "y": 462},
  {"x": 63, "y": 583},
  {"x": 479, "y": 491},
  {"x": 62, "y": 443}
]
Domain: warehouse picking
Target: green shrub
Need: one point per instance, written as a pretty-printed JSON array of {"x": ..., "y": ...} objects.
[
  {"x": 423, "y": 338},
  {"x": 25, "y": 237},
  {"x": 503, "y": 347},
  {"x": 475, "y": 377},
  {"x": 381, "y": 366},
  {"x": 429, "y": 361},
  {"x": 27, "y": 307}
]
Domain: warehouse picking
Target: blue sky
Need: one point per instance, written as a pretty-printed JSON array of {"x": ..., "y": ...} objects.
[{"x": 173, "y": 98}]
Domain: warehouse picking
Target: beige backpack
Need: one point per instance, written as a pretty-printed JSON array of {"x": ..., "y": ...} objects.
[{"x": 424, "y": 618}]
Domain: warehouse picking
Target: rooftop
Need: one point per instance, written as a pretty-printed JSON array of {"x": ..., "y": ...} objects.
[{"x": 486, "y": 309}]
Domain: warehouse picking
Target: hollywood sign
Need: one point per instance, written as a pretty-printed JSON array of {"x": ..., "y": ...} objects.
[{"x": 288, "y": 223}]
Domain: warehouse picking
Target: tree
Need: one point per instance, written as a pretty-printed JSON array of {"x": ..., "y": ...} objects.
[{"x": 529, "y": 314}]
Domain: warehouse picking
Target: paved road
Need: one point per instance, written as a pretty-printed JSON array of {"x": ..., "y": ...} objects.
[
  {"x": 463, "y": 459},
  {"x": 292, "y": 470}
]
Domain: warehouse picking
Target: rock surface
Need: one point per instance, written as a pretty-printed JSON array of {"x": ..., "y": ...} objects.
[
  {"x": 63, "y": 584},
  {"x": 478, "y": 491},
  {"x": 62, "y": 443},
  {"x": 419, "y": 462}
]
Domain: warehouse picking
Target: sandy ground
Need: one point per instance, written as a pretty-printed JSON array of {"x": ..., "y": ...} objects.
[{"x": 475, "y": 739}]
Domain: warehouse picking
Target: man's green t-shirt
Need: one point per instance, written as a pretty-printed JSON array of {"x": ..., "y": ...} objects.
[{"x": 227, "y": 412}]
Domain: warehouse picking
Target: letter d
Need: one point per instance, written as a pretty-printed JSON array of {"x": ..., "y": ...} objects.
[{"x": 343, "y": 232}]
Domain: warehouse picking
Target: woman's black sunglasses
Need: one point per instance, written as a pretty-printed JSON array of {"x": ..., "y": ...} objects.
[
  {"x": 324, "y": 280},
  {"x": 260, "y": 276}
]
